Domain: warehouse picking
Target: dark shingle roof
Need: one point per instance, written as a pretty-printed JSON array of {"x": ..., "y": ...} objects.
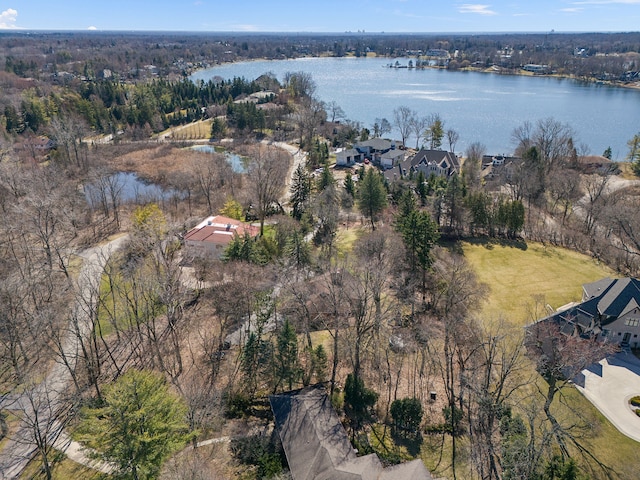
[
  {"x": 317, "y": 446},
  {"x": 615, "y": 300}
]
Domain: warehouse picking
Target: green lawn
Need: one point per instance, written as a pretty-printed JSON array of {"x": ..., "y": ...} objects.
[{"x": 517, "y": 272}]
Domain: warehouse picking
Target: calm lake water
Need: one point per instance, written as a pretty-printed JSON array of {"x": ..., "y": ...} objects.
[{"x": 480, "y": 107}]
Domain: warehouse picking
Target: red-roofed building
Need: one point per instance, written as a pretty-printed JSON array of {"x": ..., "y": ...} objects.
[{"x": 215, "y": 233}]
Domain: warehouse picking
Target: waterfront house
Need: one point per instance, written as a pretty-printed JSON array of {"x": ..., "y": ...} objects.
[{"x": 348, "y": 157}]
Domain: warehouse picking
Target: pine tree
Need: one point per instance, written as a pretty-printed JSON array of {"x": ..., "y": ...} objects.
[
  {"x": 286, "y": 360},
  {"x": 350, "y": 186},
  {"x": 300, "y": 191},
  {"x": 372, "y": 196},
  {"x": 634, "y": 153}
]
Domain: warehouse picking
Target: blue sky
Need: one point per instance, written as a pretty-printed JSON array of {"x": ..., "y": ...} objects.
[{"x": 323, "y": 15}]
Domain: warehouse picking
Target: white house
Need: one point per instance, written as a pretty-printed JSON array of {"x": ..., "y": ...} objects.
[{"x": 348, "y": 157}]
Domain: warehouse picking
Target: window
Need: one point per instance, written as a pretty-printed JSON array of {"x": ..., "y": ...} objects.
[{"x": 632, "y": 322}]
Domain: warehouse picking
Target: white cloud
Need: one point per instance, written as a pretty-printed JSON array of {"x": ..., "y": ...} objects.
[
  {"x": 92, "y": 28},
  {"x": 571, "y": 10},
  {"x": 246, "y": 28},
  {"x": 476, "y": 8},
  {"x": 8, "y": 19},
  {"x": 608, "y": 2}
]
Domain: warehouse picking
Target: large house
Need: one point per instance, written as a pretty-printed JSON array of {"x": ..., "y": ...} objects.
[
  {"x": 610, "y": 310},
  {"x": 348, "y": 157},
  {"x": 317, "y": 447},
  {"x": 430, "y": 162},
  {"x": 379, "y": 151},
  {"x": 216, "y": 232}
]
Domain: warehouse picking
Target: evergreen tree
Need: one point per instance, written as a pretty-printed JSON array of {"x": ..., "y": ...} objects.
[
  {"x": 358, "y": 401},
  {"x": 139, "y": 426},
  {"x": 406, "y": 414},
  {"x": 232, "y": 209},
  {"x": 421, "y": 188},
  {"x": 326, "y": 178},
  {"x": 634, "y": 153},
  {"x": 607, "y": 153},
  {"x": 349, "y": 185},
  {"x": 372, "y": 196},
  {"x": 286, "y": 360},
  {"x": 298, "y": 250},
  {"x": 300, "y": 191},
  {"x": 419, "y": 235}
]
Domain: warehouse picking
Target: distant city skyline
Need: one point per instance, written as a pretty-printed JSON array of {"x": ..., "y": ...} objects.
[{"x": 371, "y": 16}]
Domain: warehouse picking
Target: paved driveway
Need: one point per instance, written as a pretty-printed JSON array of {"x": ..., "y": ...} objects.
[{"x": 609, "y": 384}]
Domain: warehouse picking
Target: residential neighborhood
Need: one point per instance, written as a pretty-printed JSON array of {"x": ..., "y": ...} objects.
[{"x": 446, "y": 287}]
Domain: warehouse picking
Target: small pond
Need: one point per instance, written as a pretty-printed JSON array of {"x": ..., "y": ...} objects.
[
  {"x": 129, "y": 187},
  {"x": 238, "y": 163}
]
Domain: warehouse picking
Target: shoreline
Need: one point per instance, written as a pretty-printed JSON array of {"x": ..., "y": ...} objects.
[{"x": 493, "y": 70}]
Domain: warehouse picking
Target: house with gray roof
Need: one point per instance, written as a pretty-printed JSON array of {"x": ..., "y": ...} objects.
[
  {"x": 348, "y": 157},
  {"x": 375, "y": 148},
  {"x": 430, "y": 162},
  {"x": 610, "y": 310},
  {"x": 317, "y": 446}
]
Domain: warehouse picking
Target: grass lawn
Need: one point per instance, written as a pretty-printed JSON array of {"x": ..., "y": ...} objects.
[
  {"x": 63, "y": 470},
  {"x": 346, "y": 237},
  {"x": 517, "y": 272}
]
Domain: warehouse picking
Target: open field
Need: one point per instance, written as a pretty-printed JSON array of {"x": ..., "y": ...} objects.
[
  {"x": 518, "y": 273},
  {"x": 200, "y": 130}
]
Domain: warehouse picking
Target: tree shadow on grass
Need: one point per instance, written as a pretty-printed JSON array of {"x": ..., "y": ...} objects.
[
  {"x": 489, "y": 242},
  {"x": 412, "y": 442}
]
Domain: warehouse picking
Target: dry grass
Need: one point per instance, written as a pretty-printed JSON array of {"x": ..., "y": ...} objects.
[
  {"x": 63, "y": 470},
  {"x": 158, "y": 162},
  {"x": 200, "y": 130}
]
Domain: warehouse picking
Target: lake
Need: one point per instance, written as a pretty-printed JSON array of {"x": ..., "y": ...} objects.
[{"x": 479, "y": 106}]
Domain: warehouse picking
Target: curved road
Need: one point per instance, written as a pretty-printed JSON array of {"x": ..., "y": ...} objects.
[{"x": 43, "y": 401}]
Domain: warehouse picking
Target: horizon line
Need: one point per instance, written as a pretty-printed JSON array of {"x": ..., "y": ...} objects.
[{"x": 4, "y": 31}]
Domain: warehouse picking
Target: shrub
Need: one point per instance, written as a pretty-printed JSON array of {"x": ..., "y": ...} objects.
[
  {"x": 260, "y": 451},
  {"x": 237, "y": 405},
  {"x": 635, "y": 401},
  {"x": 406, "y": 414}
]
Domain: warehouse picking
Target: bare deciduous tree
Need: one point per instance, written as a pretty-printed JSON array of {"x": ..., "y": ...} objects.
[{"x": 267, "y": 173}]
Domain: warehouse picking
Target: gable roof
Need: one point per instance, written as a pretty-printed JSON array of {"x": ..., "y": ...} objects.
[
  {"x": 392, "y": 154},
  {"x": 618, "y": 297},
  {"x": 603, "y": 302},
  {"x": 317, "y": 446},
  {"x": 442, "y": 158}
]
